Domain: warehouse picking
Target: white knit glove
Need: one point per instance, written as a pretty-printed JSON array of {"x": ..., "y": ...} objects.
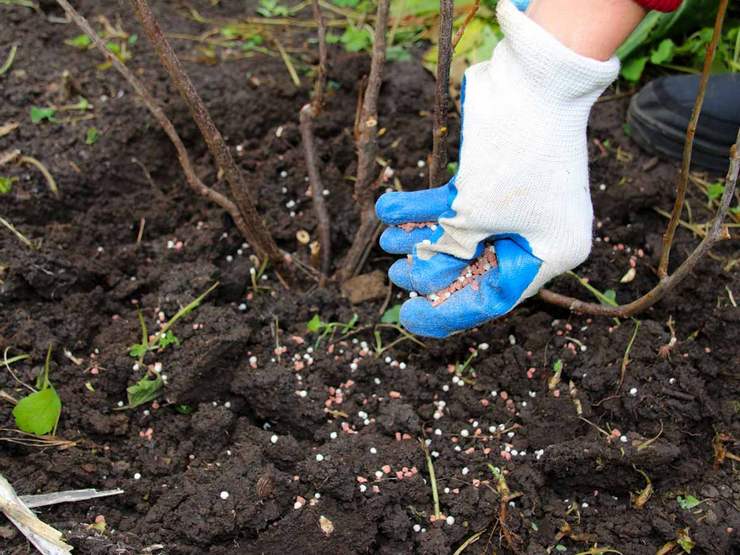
[{"x": 523, "y": 172}]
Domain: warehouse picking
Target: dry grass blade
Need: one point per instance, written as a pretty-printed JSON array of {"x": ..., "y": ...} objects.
[
  {"x": 22, "y": 238},
  {"x": 44, "y": 171}
]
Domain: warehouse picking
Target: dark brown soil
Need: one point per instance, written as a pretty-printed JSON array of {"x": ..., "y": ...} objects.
[{"x": 80, "y": 291}]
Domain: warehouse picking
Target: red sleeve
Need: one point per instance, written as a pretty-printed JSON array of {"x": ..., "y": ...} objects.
[{"x": 660, "y": 5}]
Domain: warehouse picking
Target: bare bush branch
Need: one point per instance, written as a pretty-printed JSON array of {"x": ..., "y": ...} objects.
[
  {"x": 155, "y": 109},
  {"x": 666, "y": 282},
  {"x": 683, "y": 177},
  {"x": 307, "y": 115},
  {"x": 438, "y": 162},
  {"x": 318, "y": 95},
  {"x": 366, "y": 150},
  {"x": 468, "y": 18},
  {"x": 256, "y": 232}
]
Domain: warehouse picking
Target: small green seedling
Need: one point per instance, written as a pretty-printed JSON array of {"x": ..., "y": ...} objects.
[
  {"x": 91, "y": 136},
  {"x": 256, "y": 275},
  {"x": 38, "y": 413},
  {"x": 391, "y": 319},
  {"x": 164, "y": 337},
  {"x": 83, "y": 42},
  {"x": 461, "y": 369},
  {"x": 6, "y": 184},
  {"x": 49, "y": 113},
  {"x": 354, "y": 39},
  {"x": 39, "y": 114},
  {"x": 687, "y": 503},
  {"x": 557, "y": 372},
  {"x": 145, "y": 390},
  {"x": 324, "y": 329},
  {"x": 272, "y": 8},
  {"x": 185, "y": 409},
  {"x": 392, "y": 315},
  {"x": 607, "y": 298}
]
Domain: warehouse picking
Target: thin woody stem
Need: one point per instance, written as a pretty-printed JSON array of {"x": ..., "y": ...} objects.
[
  {"x": 307, "y": 115},
  {"x": 367, "y": 132},
  {"x": 318, "y": 97},
  {"x": 668, "y": 283},
  {"x": 256, "y": 232},
  {"x": 438, "y": 162},
  {"x": 155, "y": 109},
  {"x": 468, "y": 18},
  {"x": 683, "y": 178}
]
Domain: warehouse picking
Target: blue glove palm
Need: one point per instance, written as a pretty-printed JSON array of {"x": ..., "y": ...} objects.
[{"x": 481, "y": 298}]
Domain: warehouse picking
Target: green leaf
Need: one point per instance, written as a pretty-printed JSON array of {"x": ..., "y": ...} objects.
[
  {"x": 397, "y": 53},
  {"x": 113, "y": 47},
  {"x": 6, "y": 184},
  {"x": 39, "y": 114},
  {"x": 167, "y": 339},
  {"x": 143, "y": 391},
  {"x": 315, "y": 324},
  {"x": 560, "y": 547},
  {"x": 91, "y": 136},
  {"x": 184, "y": 409},
  {"x": 664, "y": 53},
  {"x": 356, "y": 39},
  {"x": 39, "y": 412},
  {"x": 392, "y": 315},
  {"x": 271, "y": 8},
  {"x": 715, "y": 190},
  {"x": 632, "y": 70},
  {"x": 351, "y": 324},
  {"x": 610, "y": 297},
  {"x": 452, "y": 167},
  {"x": 684, "y": 540},
  {"x": 80, "y": 41},
  {"x": 137, "y": 350},
  {"x": 132, "y": 39},
  {"x": 346, "y": 3},
  {"x": 253, "y": 42},
  {"x": 557, "y": 366},
  {"x": 688, "y": 502}
]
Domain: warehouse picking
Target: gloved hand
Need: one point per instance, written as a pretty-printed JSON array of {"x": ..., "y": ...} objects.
[{"x": 522, "y": 185}]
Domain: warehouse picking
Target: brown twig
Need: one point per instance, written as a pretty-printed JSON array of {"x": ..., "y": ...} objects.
[
  {"x": 683, "y": 177},
  {"x": 666, "y": 284},
  {"x": 255, "y": 230},
  {"x": 307, "y": 115},
  {"x": 320, "y": 86},
  {"x": 155, "y": 109},
  {"x": 438, "y": 162},
  {"x": 715, "y": 232},
  {"x": 367, "y": 131},
  {"x": 468, "y": 18}
]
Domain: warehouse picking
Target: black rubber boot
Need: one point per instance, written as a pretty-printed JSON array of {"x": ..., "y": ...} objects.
[{"x": 659, "y": 114}]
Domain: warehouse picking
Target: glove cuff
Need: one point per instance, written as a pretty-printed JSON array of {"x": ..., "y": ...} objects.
[{"x": 545, "y": 63}]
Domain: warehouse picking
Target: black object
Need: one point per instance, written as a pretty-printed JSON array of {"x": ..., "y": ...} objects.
[{"x": 659, "y": 114}]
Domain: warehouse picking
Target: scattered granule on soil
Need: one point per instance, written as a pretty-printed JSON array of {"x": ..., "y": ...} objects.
[
  {"x": 409, "y": 227},
  {"x": 469, "y": 276}
]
